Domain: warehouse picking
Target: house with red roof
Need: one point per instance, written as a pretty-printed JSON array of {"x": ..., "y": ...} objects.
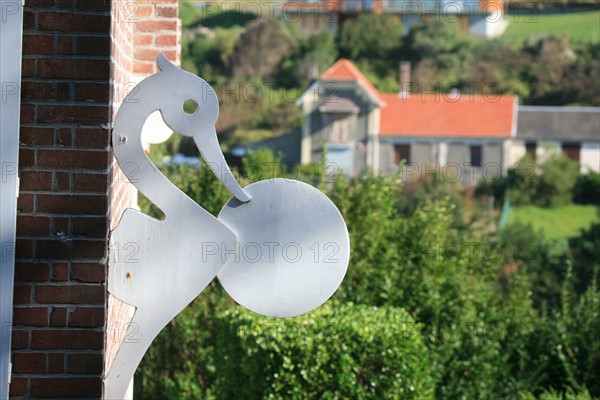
[
  {"x": 484, "y": 18},
  {"x": 465, "y": 136}
]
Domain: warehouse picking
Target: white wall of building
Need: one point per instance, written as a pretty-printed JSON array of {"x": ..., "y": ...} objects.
[
  {"x": 590, "y": 157},
  {"x": 514, "y": 150}
]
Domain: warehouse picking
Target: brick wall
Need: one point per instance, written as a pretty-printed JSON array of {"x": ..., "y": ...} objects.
[{"x": 79, "y": 57}]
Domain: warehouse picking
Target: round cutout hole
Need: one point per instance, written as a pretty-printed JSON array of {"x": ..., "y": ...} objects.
[{"x": 190, "y": 107}]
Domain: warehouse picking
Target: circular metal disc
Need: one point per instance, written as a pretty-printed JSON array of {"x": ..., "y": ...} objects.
[{"x": 293, "y": 248}]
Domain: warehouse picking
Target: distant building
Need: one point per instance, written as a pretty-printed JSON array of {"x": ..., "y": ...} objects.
[
  {"x": 363, "y": 128},
  {"x": 464, "y": 136},
  {"x": 483, "y": 18},
  {"x": 573, "y": 130}
]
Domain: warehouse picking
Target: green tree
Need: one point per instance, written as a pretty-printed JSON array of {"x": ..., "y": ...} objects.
[
  {"x": 260, "y": 50},
  {"x": 370, "y": 36},
  {"x": 446, "y": 61},
  {"x": 557, "y": 180}
]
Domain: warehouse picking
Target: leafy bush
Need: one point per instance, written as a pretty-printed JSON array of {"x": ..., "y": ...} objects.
[
  {"x": 557, "y": 180},
  {"x": 587, "y": 189},
  {"x": 549, "y": 184},
  {"x": 498, "y": 315},
  {"x": 370, "y": 36},
  {"x": 334, "y": 352},
  {"x": 585, "y": 255}
]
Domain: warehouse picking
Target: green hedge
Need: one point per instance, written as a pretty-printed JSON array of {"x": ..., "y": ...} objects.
[{"x": 335, "y": 352}]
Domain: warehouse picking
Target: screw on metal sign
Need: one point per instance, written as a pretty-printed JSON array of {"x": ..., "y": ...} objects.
[{"x": 294, "y": 242}]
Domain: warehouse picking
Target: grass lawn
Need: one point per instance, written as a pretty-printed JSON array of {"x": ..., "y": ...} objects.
[
  {"x": 581, "y": 27},
  {"x": 556, "y": 223}
]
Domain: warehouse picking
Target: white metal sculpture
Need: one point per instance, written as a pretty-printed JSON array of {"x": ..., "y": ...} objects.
[{"x": 279, "y": 247}]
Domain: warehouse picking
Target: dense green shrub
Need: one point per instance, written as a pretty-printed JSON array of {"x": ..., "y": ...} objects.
[
  {"x": 543, "y": 260},
  {"x": 587, "y": 189},
  {"x": 585, "y": 256},
  {"x": 370, "y": 36},
  {"x": 557, "y": 180},
  {"x": 549, "y": 184},
  {"x": 335, "y": 352},
  {"x": 499, "y": 316}
]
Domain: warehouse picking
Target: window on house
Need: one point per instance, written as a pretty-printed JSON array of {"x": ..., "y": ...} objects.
[
  {"x": 530, "y": 149},
  {"x": 402, "y": 152},
  {"x": 572, "y": 150},
  {"x": 475, "y": 156},
  {"x": 338, "y": 130}
]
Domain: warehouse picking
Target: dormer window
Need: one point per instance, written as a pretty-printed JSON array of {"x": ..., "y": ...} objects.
[{"x": 338, "y": 111}]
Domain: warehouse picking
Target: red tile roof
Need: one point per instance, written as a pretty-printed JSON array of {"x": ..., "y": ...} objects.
[
  {"x": 436, "y": 115},
  {"x": 344, "y": 70}
]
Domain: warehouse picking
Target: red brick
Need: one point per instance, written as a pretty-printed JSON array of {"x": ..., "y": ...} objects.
[
  {"x": 37, "y": 91},
  {"x": 143, "y": 10},
  {"x": 72, "y": 204},
  {"x": 58, "y": 317},
  {"x": 167, "y": 12},
  {"x": 65, "y": 45},
  {"x": 38, "y": 44},
  {"x": 85, "y": 364},
  {"x": 143, "y": 67},
  {"x": 73, "y": 159},
  {"x": 167, "y": 40},
  {"x": 27, "y": 113},
  {"x": 93, "y": 45},
  {"x": 26, "y": 158},
  {"x": 69, "y": 294},
  {"x": 29, "y": 20},
  {"x": 33, "y": 226},
  {"x": 155, "y": 26},
  {"x": 93, "y": 92},
  {"x": 18, "y": 386},
  {"x": 73, "y": 249},
  {"x": 143, "y": 39},
  {"x": 67, "y": 339},
  {"x": 91, "y": 182},
  {"x": 63, "y": 91},
  {"x": 66, "y": 4},
  {"x": 60, "y": 272},
  {"x": 71, "y": 22},
  {"x": 88, "y": 317},
  {"x": 29, "y": 363},
  {"x": 90, "y": 227},
  {"x": 56, "y": 363},
  {"x": 74, "y": 68},
  {"x": 66, "y": 387},
  {"x": 31, "y": 136},
  {"x": 94, "y": 138},
  {"x": 85, "y": 272},
  {"x": 19, "y": 339},
  {"x": 24, "y": 248},
  {"x": 30, "y": 316},
  {"x": 38, "y": 272},
  {"x": 22, "y": 294},
  {"x": 28, "y": 67},
  {"x": 40, "y": 3},
  {"x": 146, "y": 53},
  {"x": 104, "y": 5},
  {"x": 64, "y": 137},
  {"x": 36, "y": 181},
  {"x": 25, "y": 203},
  {"x": 150, "y": 54},
  {"x": 61, "y": 225},
  {"x": 83, "y": 115},
  {"x": 63, "y": 181}
]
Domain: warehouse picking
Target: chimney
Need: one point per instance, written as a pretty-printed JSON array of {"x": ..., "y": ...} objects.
[{"x": 404, "y": 78}]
